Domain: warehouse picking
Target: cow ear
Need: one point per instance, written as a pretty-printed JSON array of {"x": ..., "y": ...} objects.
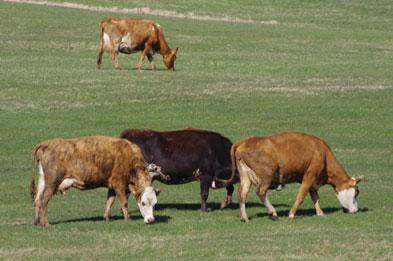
[
  {"x": 158, "y": 191},
  {"x": 356, "y": 181},
  {"x": 131, "y": 188}
]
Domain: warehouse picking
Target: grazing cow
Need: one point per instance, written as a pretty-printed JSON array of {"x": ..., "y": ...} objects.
[
  {"x": 187, "y": 155},
  {"x": 88, "y": 163},
  {"x": 295, "y": 157},
  {"x": 134, "y": 35}
]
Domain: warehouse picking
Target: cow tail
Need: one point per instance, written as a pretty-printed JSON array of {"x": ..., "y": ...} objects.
[
  {"x": 234, "y": 166},
  {"x": 101, "y": 47},
  {"x": 33, "y": 189}
]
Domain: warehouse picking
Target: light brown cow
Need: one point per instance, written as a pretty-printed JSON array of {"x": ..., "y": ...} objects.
[
  {"x": 293, "y": 157},
  {"x": 91, "y": 162},
  {"x": 134, "y": 35}
]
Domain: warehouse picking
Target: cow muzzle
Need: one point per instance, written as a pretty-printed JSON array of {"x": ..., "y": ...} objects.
[{"x": 149, "y": 220}]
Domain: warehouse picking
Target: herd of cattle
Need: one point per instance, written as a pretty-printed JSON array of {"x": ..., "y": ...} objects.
[{"x": 130, "y": 163}]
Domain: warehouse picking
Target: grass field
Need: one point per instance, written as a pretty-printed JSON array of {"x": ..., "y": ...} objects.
[{"x": 324, "y": 67}]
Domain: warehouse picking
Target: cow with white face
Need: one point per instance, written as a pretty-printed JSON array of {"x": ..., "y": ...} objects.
[
  {"x": 347, "y": 197},
  {"x": 91, "y": 162},
  {"x": 295, "y": 157},
  {"x": 147, "y": 201}
]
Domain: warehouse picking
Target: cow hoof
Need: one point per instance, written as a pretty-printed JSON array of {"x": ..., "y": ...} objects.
[
  {"x": 224, "y": 204},
  {"x": 291, "y": 216},
  {"x": 245, "y": 220},
  {"x": 274, "y": 218}
]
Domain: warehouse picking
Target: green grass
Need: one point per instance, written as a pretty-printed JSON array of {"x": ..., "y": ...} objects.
[{"x": 325, "y": 68}]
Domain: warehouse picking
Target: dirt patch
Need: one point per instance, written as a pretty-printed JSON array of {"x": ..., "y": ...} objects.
[{"x": 145, "y": 11}]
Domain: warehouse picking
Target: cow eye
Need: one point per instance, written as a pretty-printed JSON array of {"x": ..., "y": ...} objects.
[{"x": 143, "y": 204}]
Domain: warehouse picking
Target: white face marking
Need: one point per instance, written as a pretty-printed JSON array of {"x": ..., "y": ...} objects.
[
  {"x": 154, "y": 170},
  {"x": 347, "y": 199},
  {"x": 146, "y": 204},
  {"x": 152, "y": 28},
  {"x": 41, "y": 182}
]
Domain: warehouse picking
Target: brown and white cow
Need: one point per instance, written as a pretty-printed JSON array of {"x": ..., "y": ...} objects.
[
  {"x": 295, "y": 157},
  {"x": 91, "y": 162},
  {"x": 133, "y": 35}
]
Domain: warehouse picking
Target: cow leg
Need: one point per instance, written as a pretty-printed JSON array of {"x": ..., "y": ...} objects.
[
  {"x": 315, "y": 199},
  {"x": 109, "y": 202},
  {"x": 38, "y": 197},
  {"x": 145, "y": 52},
  {"x": 114, "y": 59},
  {"x": 49, "y": 190},
  {"x": 150, "y": 58},
  {"x": 228, "y": 199},
  {"x": 206, "y": 181},
  {"x": 262, "y": 194},
  {"x": 262, "y": 189},
  {"x": 122, "y": 196},
  {"x": 244, "y": 187},
  {"x": 308, "y": 180}
]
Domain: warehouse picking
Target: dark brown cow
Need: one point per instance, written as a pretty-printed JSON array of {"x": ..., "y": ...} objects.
[
  {"x": 88, "y": 163},
  {"x": 296, "y": 157},
  {"x": 134, "y": 35},
  {"x": 186, "y": 155}
]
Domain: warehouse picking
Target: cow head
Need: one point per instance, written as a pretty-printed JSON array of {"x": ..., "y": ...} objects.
[
  {"x": 156, "y": 173},
  {"x": 169, "y": 59},
  {"x": 347, "y": 196},
  {"x": 146, "y": 202}
]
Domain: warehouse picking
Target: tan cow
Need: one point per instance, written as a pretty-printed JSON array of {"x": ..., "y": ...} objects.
[
  {"x": 91, "y": 162},
  {"x": 295, "y": 157},
  {"x": 134, "y": 35}
]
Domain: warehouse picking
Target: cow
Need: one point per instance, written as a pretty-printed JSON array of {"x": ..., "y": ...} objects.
[
  {"x": 88, "y": 163},
  {"x": 187, "y": 155},
  {"x": 133, "y": 35},
  {"x": 294, "y": 157}
]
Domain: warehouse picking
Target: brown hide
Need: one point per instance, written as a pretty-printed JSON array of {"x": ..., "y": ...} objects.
[
  {"x": 293, "y": 155},
  {"x": 91, "y": 162},
  {"x": 296, "y": 157},
  {"x": 145, "y": 36}
]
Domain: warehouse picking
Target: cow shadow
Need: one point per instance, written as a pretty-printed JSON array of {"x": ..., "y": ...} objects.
[
  {"x": 305, "y": 212},
  {"x": 158, "y": 218},
  {"x": 145, "y": 69},
  {"x": 214, "y": 206}
]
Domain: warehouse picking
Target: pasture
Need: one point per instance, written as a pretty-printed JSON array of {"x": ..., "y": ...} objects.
[{"x": 323, "y": 67}]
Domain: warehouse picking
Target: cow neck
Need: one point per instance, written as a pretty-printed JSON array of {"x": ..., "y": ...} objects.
[
  {"x": 143, "y": 181},
  {"x": 164, "y": 50},
  {"x": 162, "y": 44},
  {"x": 337, "y": 176}
]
